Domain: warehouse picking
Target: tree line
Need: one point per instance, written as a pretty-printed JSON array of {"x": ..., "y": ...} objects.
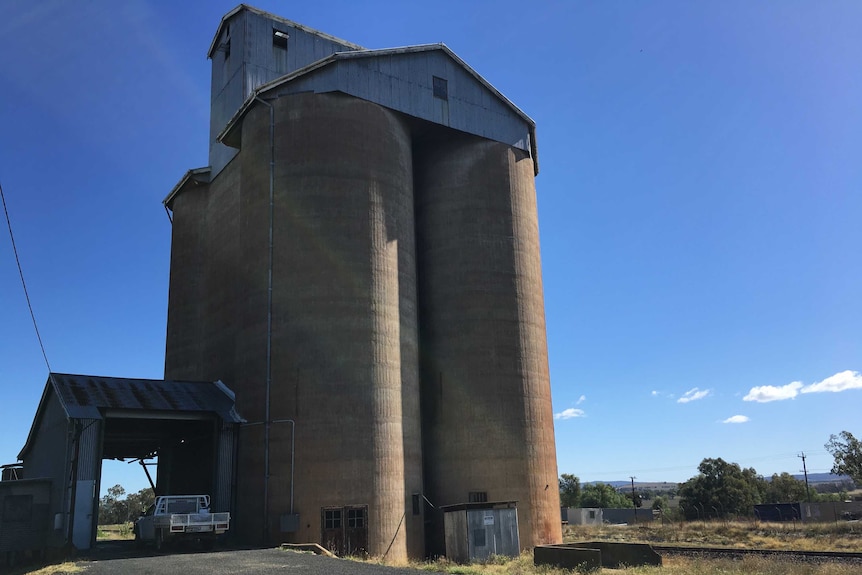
[
  {"x": 724, "y": 489},
  {"x": 118, "y": 507}
]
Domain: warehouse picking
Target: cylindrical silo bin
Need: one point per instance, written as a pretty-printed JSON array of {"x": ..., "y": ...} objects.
[
  {"x": 488, "y": 428},
  {"x": 203, "y": 303},
  {"x": 344, "y": 324}
]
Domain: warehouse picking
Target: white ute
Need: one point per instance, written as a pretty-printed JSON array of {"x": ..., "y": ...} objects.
[{"x": 174, "y": 517}]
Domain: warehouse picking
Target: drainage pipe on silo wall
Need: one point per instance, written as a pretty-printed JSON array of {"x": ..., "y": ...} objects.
[{"x": 266, "y": 422}]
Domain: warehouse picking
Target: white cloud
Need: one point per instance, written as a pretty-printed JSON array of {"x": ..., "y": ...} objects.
[
  {"x": 653, "y": 393},
  {"x": 767, "y": 393},
  {"x": 736, "y": 419},
  {"x": 581, "y": 399},
  {"x": 693, "y": 395},
  {"x": 839, "y": 382},
  {"x": 570, "y": 413}
]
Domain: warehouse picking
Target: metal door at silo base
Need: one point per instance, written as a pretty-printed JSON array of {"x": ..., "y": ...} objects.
[
  {"x": 476, "y": 531},
  {"x": 344, "y": 530}
]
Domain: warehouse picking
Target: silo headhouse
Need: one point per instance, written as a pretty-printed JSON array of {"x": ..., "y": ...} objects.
[{"x": 359, "y": 263}]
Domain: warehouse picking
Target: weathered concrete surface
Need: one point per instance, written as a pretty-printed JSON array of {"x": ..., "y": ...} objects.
[
  {"x": 612, "y": 555},
  {"x": 356, "y": 190},
  {"x": 568, "y": 557},
  {"x": 486, "y": 398},
  {"x": 344, "y": 324},
  {"x": 256, "y": 561}
]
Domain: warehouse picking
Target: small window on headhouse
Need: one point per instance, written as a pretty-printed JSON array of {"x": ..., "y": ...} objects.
[
  {"x": 279, "y": 39},
  {"x": 441, "y": 89},
  {"x": 279, "y": 51},
  {"x": 477, "y": 497},
  {"x": 225, "y": 47}
]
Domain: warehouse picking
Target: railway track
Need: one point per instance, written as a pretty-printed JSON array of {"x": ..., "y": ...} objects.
[{"x": 830, "y": 556}]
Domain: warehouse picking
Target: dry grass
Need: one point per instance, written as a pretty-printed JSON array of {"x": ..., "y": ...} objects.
[
  {"x": 523, "y": 565},
  {"x": 842, "y": 536},
  {"x": 59, "y": 569},
  {"x": 496, "y": 565},
  {"x": 745, "y": 566},
  {"x": 749, "y": 535},
  {"x": 120, "y": 532}
]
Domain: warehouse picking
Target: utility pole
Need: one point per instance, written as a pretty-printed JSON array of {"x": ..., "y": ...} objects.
[
  {"x": 805, "y": 471},
  {"x": 634, "y": 504}
]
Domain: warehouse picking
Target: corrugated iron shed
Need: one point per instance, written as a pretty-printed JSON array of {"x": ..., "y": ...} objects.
[{"x": 190, "y": 426}]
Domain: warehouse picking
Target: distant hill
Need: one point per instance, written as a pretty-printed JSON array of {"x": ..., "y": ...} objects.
[
  {"x": 823, "y": 478},
  {"x": 813, "y": 479},
  {"x": 654, "y": 485}
]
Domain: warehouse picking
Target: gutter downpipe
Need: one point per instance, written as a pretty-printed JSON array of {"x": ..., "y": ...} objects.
[{"x": 267, "y": 422}]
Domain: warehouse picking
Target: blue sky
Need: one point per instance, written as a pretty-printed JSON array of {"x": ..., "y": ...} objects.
[{"x": 699, "y": 206}]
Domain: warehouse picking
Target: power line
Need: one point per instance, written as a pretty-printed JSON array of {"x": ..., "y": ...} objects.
[{"x": 23, "y": 283}]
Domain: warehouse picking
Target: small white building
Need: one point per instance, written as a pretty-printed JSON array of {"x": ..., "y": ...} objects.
[{"x": 582, "y": 516}]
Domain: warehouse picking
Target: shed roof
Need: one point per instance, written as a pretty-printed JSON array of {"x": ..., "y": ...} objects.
[
  {"x": 92, "y": 396},
  {"x": 482, "y": 505}
]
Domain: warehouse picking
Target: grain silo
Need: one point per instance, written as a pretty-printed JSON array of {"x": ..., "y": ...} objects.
[
  {"x": 486, "y": 402},
  {"x": 363, "y": 209}
]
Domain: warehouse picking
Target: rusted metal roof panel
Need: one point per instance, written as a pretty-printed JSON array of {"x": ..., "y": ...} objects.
[{"x": 81, "y": 394}]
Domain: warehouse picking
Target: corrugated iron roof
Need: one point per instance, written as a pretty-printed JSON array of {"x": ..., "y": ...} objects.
[
  {"x": 90, "y": 396},
  {"x": 80, "y": 393}
]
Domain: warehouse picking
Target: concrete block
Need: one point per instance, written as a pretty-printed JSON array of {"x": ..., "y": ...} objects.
[
  {"x": 568, "y": 557},
  {"x": 611, "y": 555}
]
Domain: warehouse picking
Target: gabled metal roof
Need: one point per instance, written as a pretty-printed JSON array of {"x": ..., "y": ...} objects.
[
  {"x": 96, "y": 397},
  {"x": 226, "y": 134},
  {"x": 285, "y": 21}
]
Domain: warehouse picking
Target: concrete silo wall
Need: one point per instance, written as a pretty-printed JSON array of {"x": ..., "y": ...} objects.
[
  {"x": 204, "y": 280},
  {"x": 344, "y": 326},
  {"x": 486, "y": 401},
  {"x": 358, "y": 270}
]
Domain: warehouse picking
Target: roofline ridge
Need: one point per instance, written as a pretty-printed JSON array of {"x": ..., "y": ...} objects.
[{"x": 277, "y": 18}]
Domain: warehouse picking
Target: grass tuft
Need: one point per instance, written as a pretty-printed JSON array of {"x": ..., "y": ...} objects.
[{"x": 58, "y": 569}]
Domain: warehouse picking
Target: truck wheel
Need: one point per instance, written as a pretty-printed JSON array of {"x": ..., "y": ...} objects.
[{"x": 160, "y": 541}]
